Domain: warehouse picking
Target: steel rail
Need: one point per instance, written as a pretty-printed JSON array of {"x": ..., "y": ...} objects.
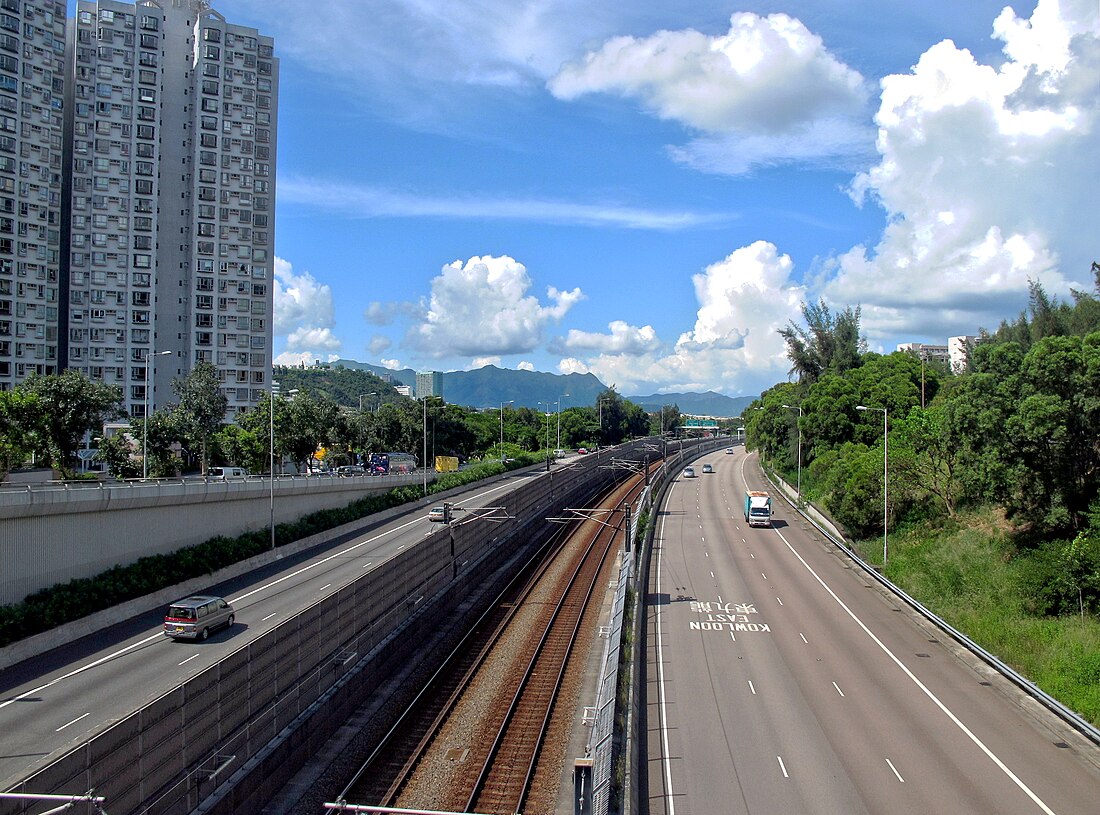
[{"x": 533, "y": 745}]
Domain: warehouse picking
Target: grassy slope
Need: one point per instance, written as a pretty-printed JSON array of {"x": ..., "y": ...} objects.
[{"x": 965, "y": 573}]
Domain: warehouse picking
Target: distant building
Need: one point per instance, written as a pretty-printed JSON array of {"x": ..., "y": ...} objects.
[
  {"x": 926, "y": 352},
  {"x": 958, "y": 350},
  {"x": 404, "y": 390},
  {"x": 429, "y": 383}
]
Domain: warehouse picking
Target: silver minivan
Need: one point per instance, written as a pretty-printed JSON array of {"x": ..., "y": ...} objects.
[{"x": 194, "y": 618}]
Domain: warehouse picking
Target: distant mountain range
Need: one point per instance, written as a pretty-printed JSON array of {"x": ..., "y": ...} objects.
[{"x": 490, "y": 386}]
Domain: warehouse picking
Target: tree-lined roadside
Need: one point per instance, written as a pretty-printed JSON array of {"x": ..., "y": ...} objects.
[{"x": 991, "y": 502}]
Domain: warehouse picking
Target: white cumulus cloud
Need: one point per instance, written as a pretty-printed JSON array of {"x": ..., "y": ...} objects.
[
  {"x": 622, "y": 339},
  {"x": 483, "y": 308},
  {"x": 987, "y": 174},
  {"x": 734, "y": 345},
  {"x": 304, "y": 314},
  {"x": 766, "y": 92}
]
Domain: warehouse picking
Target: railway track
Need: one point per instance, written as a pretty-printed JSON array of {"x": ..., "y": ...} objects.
[{"x": 493, "y": 771}]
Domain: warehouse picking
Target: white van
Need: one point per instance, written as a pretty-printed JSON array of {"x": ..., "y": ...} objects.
[{"x": 227, "y": 472}]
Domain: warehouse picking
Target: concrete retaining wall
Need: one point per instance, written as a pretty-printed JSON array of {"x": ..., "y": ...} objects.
[{"x": 51, "y": 535}]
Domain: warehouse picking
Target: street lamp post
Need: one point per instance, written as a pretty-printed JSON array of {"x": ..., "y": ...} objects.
[
  {"x": 885, "y": 473},
  {"x": 145, "y": 424},
  {"x": 546, "y": 424},
  {"x": 798, "y": 489},
  {"x": 271, "y": 464},
  {"x": 372, "y": 393},
  {"x": 563, "y": 396},
  {"x": 502, "y": 404},
  {"x": 425, "y": 462}
]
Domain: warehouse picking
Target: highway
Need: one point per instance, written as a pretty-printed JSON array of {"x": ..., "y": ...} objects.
[
  {"x": 57, "y": 701},
  {"x": 781, "y": 679}
]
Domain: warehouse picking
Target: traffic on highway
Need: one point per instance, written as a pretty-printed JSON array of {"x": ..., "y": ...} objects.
[{"x": 782, "y": 679}]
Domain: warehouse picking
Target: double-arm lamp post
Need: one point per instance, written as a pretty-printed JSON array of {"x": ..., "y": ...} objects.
[
  {"x": 271, "y": 463},
  {"x": 145, "y": 424},
  {"x": 563, "y": 396},
  {"x": 885, "y": 473}
]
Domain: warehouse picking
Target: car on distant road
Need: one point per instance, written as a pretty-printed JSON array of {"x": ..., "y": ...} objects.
[
  {"x": 582, "y": 451},
  {"x": 559, "y": 453},
  {"x": 689, "y": 472},
  {"x": 438, "y": 515},
  {"x": 708, "y": 468},
  {"x": 227, "y": 472},
  {"x": 351, "y": 469},
  {"x": 193, "y": 618},
  {"x": 729, "y": 451}
]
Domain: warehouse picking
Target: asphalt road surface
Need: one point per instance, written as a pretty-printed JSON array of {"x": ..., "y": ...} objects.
[{"x": 781, "y": 679}]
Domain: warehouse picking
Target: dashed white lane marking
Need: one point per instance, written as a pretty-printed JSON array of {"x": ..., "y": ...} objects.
[
  {"x": 74, "y": 721},
  {"x": 193, "y": 656},
  {"x": 763, "y": 575},
  {"x": 752, "y": 688},
  {"x": 327, "y": 585},
  {"x": 895, "y": 769},
  {"x": 779, "y": 601},
  {"x": 783, "y": 766},
  {"x": 838, "y": 690},
  {"x": 803, "y": 638},
  {"x": 269, "y": 616},
  {"x": 923, "y": 688}
]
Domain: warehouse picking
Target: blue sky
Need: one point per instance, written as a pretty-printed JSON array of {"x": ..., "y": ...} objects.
[{"x": 649, "y": 190}]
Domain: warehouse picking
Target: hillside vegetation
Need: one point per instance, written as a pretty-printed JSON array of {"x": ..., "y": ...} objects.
[{"x": 991, "y": 501}]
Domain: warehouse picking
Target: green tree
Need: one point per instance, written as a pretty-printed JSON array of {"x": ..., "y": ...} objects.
[
  {"x": 854, "y": 486},
  {"x": 69, "y": 404},
  {"x": 117, "y": 452},
  {"x": 248, "y": 447},
  {"x": 308, "y": 424},
  {"x": 162, "y": 434},
  {"x": 201, "y": 409},
  {"x": 827, "y": 342},
  {"x": 20, "y": 422},
  {"x": 926, "y": 456}
]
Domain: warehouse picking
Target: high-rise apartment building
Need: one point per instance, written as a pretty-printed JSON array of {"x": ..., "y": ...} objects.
[
  {"x": 163, "y": 175},
  {"x": 32, "y": 72},
  {"x": 429, "y": 383}
]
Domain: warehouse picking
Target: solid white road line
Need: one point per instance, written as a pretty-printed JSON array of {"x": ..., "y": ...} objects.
[{"x": 665, "y": 757}]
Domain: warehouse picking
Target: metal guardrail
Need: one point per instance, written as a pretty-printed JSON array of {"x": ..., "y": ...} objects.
[
  {"x": 1070, "y": 717},
  {"x": 131, "y": 483}
]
